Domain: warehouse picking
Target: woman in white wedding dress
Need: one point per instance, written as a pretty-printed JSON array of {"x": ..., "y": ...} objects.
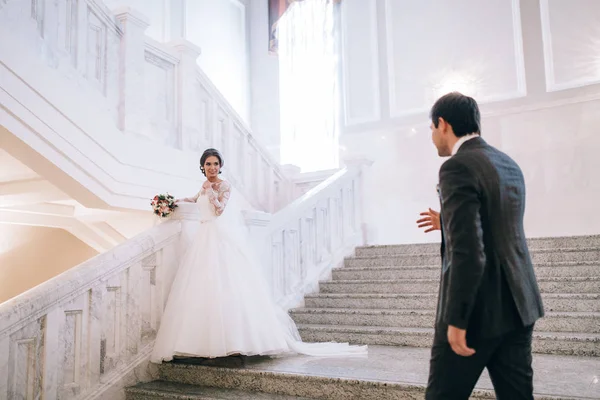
[{"x": 220, "y": 304}]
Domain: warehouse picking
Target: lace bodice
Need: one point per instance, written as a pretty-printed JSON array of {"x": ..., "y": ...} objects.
[{"x": 217, "y": 195}]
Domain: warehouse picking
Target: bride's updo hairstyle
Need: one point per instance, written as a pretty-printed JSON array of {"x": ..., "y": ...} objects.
[{"x": 208, "y": 153}]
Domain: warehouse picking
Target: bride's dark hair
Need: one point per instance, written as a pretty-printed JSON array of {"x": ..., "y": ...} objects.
[{"x": 209, "y": 153}]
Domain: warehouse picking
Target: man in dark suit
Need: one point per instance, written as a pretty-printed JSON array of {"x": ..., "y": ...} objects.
[{"x": 488, "y": 299}]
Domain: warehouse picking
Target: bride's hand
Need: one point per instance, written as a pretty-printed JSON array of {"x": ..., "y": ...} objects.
[{"x": 206, "y": 185}]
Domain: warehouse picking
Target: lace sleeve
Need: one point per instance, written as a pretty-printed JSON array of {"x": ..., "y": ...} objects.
[
  {"x": 191, "y": 199},
  {"x": 219, "y": 198}
]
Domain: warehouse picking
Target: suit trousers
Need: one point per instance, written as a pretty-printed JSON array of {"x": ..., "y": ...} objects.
[{"x": 507, "y": 358}]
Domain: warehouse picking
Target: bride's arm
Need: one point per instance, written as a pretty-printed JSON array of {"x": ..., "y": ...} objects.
[
  {"x": 189, "y": 199},
  {"x": 219, "y": 198}
]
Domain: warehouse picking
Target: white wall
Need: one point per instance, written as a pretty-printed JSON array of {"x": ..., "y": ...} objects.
[
  {"x": 219, "y": 28},
  {"x": 533, "y": 66},
  {"x": 32, "y": 255},
  {"x": 264, "y": 79}
]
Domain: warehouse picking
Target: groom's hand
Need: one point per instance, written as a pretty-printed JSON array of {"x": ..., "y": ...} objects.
[
  {"x": 458, "y": 341},
  {"x": 431, "y": 221}
]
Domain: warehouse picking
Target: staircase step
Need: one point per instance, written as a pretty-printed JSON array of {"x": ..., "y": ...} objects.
[
  {"x": 553, "y": 321},
  {"x": 433, "y": 272},
  {"x": 424, "y": 301},
  {"x": 299, "y": 383},
  {"x": 547, "y": 285},
  {"x": 380, "y": 286},
  {"x": 564, "y": 343},
  {"x": 384, "y": 273},
  {"x": 550, "y": 256},
  {"x": 181, "y": 391},
  {"x": 428, "y": 301},
  {"x": 536, "y": 244},
  {"x": 387, "y": 373}
]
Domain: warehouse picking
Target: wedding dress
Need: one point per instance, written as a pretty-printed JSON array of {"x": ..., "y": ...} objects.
[{"x": 220, "y": 304}]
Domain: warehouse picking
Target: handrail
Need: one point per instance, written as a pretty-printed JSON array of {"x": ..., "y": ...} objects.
[
  {"x": 30, "y": 305},
  {"x": 311, "y": 197}
]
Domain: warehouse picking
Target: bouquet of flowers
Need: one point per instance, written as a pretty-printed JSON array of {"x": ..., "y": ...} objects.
[{"x": 163, "y": 205}]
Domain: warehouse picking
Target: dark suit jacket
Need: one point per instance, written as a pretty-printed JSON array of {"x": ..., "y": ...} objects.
[{"x": 488, "y": 285}]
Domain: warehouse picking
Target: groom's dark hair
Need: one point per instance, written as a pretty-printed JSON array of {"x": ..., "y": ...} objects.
[{"x": 458, "y": 110}]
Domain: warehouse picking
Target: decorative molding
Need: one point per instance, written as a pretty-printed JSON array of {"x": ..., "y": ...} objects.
[
  {"x": 166, "y": 62},
  {"x": 126, "y": 15},
  {"x": 96, "y": 49},
  {"x": 158, "y": 60},
  {"x": 119, "y": 376},
  {"x": 38, "y": 9},
  {"x": 521, "y": 90},
  {"x": 551, "y": 84},
  {"x": 373, "y": 56},
  {"x": 519, "y": 51},
  {"x": 76, "y": 326},
  {"x": 389, "y": 51},
  {"x": 161, "y": 51},
  {"x": 24, "y": 367},
  {"x": 537, "y": 106},
  {"x": 71, "y": 29},
  {"x": 105, "y": 15},
  {"x": 239, "y": 4},
  {"x": 222, "y": 131},
  {"x": 502, "y": 111},
  {"x": 184, "y": 46}
]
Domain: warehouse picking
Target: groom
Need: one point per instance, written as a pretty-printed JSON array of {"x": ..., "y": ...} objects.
[{"x": 489, "y": 298}]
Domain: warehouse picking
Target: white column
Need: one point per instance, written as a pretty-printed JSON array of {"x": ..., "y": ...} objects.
[
  {"x": 188, "y": 104},
  {"x": 360, "y": 164},
  {"x": 288, "y": 191},
  {"x": 131, "y": 70}
]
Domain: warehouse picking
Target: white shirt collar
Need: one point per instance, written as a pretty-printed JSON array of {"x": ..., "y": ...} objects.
[{"x": 462, "y": 140}]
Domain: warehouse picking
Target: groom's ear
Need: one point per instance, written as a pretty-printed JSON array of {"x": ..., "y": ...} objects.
[{"x": 442, "y": 124}]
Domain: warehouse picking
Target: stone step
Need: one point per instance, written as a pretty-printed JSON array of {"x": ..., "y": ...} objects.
[
  {"x": 428, "y": 301},
  {"x": 552, "y": 322},
  {"x": 306, "y": 385},
  {"x": 171, "y": 390},
  {"x": 537, "y": 244},
  {"x": 432, "y": 272},
  {"x": 574, "y": 255},
  {"x": 564, "y": 343},
  {"x": 547, "y": 285},
  {"x": 387, "y": 373}
]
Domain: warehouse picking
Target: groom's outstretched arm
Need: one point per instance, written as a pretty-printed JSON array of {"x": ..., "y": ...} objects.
[{"x": 461, "y": 205}]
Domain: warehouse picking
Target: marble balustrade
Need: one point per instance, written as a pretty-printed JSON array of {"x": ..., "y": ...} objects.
[
  {"x": 88, "y": 332},
  {"x": 134, "y": 92}
]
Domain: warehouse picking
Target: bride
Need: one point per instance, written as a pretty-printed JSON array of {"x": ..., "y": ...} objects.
[{"x": 219, "y": 304}]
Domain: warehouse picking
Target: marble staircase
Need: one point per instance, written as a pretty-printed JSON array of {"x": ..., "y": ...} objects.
[
  {"x": 386, "y": 295},
  {"x": 389, "y": 372}
]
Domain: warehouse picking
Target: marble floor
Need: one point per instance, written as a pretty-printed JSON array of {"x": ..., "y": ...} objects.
[{"x": 561, "y": 376}]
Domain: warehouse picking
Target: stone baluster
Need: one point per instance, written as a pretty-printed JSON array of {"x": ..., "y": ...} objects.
[
  {"x": 360, "y": 164},
  {"x": 131, "y": 112},
  {"x": 191, "y": 136}
]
